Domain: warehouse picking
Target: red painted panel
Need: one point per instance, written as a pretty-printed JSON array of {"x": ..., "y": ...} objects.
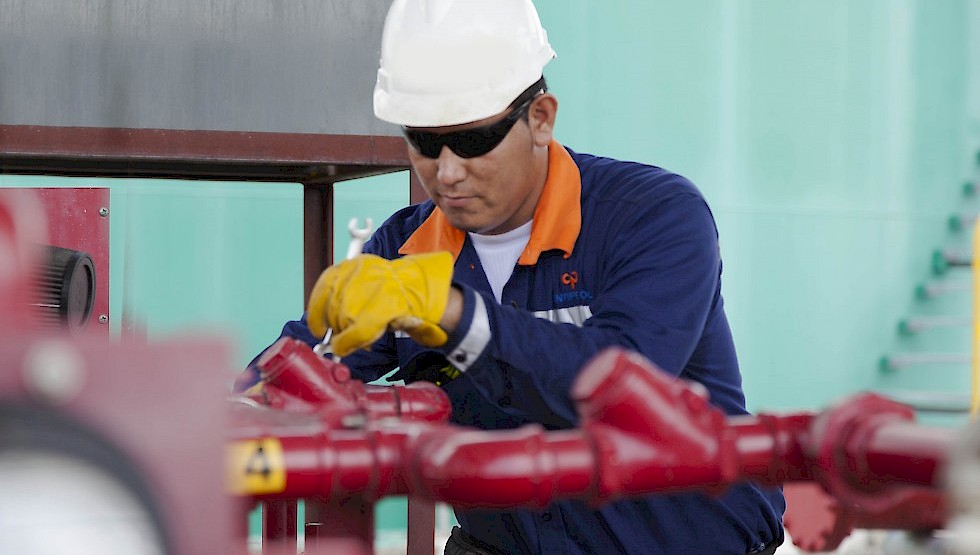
[{"x": 76, "y": 221}]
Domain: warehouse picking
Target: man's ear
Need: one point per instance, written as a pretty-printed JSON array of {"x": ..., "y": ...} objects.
[{"x": 541, "y": 118}]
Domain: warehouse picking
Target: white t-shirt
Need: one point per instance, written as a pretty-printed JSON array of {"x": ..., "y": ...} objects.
[{"x": 499, "y": 253}]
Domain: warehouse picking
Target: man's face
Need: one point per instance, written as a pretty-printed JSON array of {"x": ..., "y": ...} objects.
[{"x": 488, "y": 194}]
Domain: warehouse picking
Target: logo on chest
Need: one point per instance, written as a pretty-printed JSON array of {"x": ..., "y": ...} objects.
[{"x": 571, "y": 292}]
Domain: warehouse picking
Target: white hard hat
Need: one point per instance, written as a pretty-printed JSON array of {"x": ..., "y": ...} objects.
[{"x": 448, "y": 62}]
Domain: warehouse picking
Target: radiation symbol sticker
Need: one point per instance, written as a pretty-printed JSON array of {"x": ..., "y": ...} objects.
[{"x": 255, "y": 467}]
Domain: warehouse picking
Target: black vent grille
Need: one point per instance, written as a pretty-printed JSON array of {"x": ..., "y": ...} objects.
[{"x": 65, "y": 289}]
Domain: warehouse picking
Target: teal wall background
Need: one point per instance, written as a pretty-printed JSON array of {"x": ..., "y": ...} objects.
[
  {"x": 195, "y": 255},
  {"x": 831, "y": 139}
]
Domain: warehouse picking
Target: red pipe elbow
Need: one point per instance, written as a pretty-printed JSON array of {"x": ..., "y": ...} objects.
[{"x": 527, "y": 467}]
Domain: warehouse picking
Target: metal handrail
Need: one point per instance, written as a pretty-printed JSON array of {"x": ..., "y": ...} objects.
[
  {"x": 916, "y": 324},
  {"x": 935, "y": 288},
  {"x": 902, "y": 360}
]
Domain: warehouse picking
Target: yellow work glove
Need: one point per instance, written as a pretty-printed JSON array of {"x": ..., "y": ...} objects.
[{"x": 362, "y": 297}]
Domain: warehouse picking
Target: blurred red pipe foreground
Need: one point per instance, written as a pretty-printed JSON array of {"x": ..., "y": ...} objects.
[{"x": 309, "y": 431}]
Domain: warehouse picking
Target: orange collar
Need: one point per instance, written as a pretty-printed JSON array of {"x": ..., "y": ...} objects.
[{"x": 557, "y": 217}]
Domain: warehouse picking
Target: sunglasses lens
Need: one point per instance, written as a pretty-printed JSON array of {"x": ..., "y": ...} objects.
[
  {"x": 465, "y": 144},
  {"x": 469, "y": 143},
  {"x": 429, "y": 144},
  {"x": 477, "y": 142}
]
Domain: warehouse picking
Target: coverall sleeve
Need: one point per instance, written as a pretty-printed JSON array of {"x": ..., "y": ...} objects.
[{"x": 658, "y": 280}]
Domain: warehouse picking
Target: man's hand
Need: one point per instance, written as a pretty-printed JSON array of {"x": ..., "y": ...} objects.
[{"x": 362, "y": 297}]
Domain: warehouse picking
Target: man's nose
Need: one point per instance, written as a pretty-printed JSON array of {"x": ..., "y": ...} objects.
[{"x": 451, "y": 168}]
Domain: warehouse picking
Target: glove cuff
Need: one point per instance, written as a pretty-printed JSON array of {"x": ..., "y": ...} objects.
[{"x": 472, "y": 335}]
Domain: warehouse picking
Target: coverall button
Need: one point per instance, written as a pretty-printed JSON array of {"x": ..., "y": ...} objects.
[{"x": 546, "y": 517}]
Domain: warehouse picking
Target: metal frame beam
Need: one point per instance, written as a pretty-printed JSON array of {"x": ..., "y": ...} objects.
[{"x": 314, "y": 160}]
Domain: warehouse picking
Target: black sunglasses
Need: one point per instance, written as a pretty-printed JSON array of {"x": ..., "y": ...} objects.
[
  {"x": 478, "y": 141},
  {"x": 468, "y": 143}
]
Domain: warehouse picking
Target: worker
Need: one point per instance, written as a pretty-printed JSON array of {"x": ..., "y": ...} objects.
[{"x": 529, "y": 259}]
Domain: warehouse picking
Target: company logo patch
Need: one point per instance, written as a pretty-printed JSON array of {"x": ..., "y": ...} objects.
[{"x": 576, "y": 295}]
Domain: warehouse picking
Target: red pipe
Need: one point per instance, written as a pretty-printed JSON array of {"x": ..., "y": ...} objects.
[
  {"x": 658, "y": 433},
  {"x": 297, "y": 379},
  {"x": 338, "y": 464},
  {"x": 526, "y": 467},
  {"x": 769, "y": 448},
  {"x": 904, "y": 453},
  {"x": 419, "y": 401},
  {"x": 292, "y": 367},
  {"x": 641, "y": 432}
]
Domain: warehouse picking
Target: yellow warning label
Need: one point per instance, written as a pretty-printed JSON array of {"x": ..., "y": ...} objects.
[{"x": 255, "y": 467}]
